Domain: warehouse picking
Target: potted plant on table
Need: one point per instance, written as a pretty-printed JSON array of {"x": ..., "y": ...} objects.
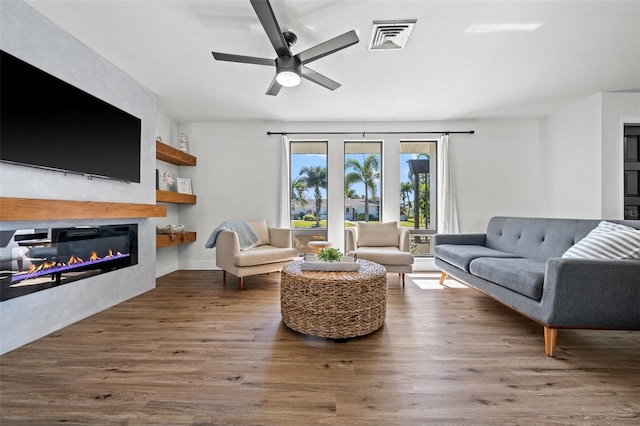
[{"x": 330, "y": 255}]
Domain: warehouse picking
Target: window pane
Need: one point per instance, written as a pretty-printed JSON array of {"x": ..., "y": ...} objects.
[
  {"x": 362, "y": 177},
  {"x": 308, "y": 193},
  {"x": 418, "y": 193}
]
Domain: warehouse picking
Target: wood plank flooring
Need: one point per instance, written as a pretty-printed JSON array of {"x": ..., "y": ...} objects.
[{"x": 193, "y": 351}]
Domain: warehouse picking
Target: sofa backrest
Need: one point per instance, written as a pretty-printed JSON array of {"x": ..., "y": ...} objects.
[{"x": 540, "y": 238}]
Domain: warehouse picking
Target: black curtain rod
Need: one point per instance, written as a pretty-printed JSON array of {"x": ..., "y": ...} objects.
[{"x": 446, "y": 132}]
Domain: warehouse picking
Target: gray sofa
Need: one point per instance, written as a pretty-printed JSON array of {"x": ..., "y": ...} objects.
[{"x": 519, "y": 262}]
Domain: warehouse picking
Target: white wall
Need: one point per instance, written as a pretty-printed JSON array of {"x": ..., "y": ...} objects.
[
  {"x": 570, "y": 140},
  {"x": 581, "y": 151},
  {"x": 28, "y": 35},
  {"x": 237, "y": 177}
]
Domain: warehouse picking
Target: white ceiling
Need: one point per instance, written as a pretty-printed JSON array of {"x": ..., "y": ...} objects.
[{"x": 580, "y": 48}]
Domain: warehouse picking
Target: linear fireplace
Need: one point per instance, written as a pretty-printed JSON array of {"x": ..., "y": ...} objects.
[{"x": 37, "y": 259}]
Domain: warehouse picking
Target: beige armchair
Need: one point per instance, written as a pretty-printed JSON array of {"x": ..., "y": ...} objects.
[
  {"x": 274, "y": 252},
  {"x": 382, "y": 243}
]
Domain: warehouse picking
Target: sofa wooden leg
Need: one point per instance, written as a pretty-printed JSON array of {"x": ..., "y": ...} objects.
[
  {"x": 443, "y": 276},
  {"x": 224, "y": 277},
  {"x": 240, "y": 283},
  {"x": 402, "y": 275},
  {"x": 550, "y": 340}
]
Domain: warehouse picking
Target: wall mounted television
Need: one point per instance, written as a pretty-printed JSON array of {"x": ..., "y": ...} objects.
[{"x": 48, "y": 123}]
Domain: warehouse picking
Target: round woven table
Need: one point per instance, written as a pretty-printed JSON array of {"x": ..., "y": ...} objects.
[{"x": 334, "y": 305}]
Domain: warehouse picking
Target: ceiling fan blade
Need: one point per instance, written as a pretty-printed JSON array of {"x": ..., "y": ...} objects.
[
  {"x": 328, "y": 47},
  {"x": 318, "y": 78},
  {"x": 244, "y": 59},
  {"x": 270, "y": 24},
  {"x": 274, "y": 88}
]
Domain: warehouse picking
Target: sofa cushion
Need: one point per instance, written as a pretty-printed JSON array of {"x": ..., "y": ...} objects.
[
  {"x": 377, "y": 234},
  {"x": 262, "y": 229},
  {"x": 536, "y": 238},
  {"x": 264, "y": 254},
  {"x": 607, "y": 241},
  {"x": 461, "y": 255},
  {"x": 384, "y": 255},
  {"x": 524, "y": 276}
]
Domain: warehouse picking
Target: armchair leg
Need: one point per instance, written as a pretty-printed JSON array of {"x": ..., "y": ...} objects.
[
  {"x": 240, "y": 282},
  {"x": 550, "y": 340},
  {"x": 443, "y": 276}
]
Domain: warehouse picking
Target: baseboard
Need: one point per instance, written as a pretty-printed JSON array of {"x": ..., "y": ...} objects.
[{"x": 198, "y": 265}]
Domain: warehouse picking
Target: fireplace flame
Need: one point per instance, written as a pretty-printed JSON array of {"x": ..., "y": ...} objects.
[{"x": 73, "y": 260}]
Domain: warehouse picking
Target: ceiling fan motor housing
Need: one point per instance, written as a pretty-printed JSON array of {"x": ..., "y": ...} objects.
[{"x": 288, "y": 63}]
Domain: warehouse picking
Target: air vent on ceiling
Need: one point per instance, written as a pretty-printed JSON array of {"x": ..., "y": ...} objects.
[{"x": 391, "y": 35}]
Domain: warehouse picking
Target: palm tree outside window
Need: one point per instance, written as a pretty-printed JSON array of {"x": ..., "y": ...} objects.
[
  {"x": 308, "y": 191},
  {"x": 362, "y": 177}
]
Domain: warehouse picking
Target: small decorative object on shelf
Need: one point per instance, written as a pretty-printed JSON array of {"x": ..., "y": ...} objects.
[
  {"x": 183, "y": 143},
  {"x": 170, "y": 229},
  {"x": 166, "y": 182},
  {"x": 184, "y": 186}
]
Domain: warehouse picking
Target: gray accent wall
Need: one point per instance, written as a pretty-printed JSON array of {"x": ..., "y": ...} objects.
[{"x": 28, "y": 35}]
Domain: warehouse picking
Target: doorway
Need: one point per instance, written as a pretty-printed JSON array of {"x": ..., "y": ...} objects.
[{"x": 631, "y": 172}]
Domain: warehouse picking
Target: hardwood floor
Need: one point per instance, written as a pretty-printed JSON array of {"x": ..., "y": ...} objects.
[{"x": 193, "y": 351}]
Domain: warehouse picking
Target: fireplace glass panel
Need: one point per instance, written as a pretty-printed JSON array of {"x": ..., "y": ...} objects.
[{"x": 37, "y": 259}]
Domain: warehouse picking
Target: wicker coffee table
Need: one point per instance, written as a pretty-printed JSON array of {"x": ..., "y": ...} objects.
[{"x": 334, "y": 305}]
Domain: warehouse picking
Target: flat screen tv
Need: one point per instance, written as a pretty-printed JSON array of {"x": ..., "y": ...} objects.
[{"x": 48, "y": 123}]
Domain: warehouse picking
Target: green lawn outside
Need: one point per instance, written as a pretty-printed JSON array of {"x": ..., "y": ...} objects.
[{"x": 307, "y": 224}]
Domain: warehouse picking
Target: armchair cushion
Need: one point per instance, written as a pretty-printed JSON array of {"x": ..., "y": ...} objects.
[
  {"x": 262, "y": 229},
  {"x": 264, "y": 254},
  {"x": 377, "y": 234},
  {"x": 385, "y": 255},
  {"x": 280, "y": 237}
]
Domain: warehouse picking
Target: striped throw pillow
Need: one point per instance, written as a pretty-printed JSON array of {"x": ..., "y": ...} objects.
[{"x": 607, "y": 241}]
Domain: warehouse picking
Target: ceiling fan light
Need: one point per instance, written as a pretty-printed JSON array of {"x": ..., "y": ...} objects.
[{"x": 288, "y": 78}]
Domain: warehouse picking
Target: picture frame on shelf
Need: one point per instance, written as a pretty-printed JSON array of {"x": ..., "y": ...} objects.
[{"x": 184, "y": 186}]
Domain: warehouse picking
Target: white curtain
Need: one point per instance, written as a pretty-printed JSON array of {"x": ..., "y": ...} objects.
[
  {"x": 284, "y": 208},
  {"x": 447, "y": 208}
]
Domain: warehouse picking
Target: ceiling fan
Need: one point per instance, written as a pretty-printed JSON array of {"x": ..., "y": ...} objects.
[{"x": 290, "y": 68}]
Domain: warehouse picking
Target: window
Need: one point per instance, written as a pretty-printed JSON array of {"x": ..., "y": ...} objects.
[
  {"x": 418, "y": 194},
  {"x": 362, "y": 177},
  {"x": 308, "y": 160}
]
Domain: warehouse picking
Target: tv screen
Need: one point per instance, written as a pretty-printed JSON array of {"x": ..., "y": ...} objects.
[{"x": 46, "y": 122}]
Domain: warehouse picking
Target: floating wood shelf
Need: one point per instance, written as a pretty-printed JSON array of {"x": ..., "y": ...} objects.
[
  {"x": 174, "y": 197},
  {"x": 166, "y": 240},
  {"x": 172, "y": 155},
  {"x": 25, "y": 209}
]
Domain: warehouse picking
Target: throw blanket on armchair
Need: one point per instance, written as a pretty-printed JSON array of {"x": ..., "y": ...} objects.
[{"x": 247, "y": 236}]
